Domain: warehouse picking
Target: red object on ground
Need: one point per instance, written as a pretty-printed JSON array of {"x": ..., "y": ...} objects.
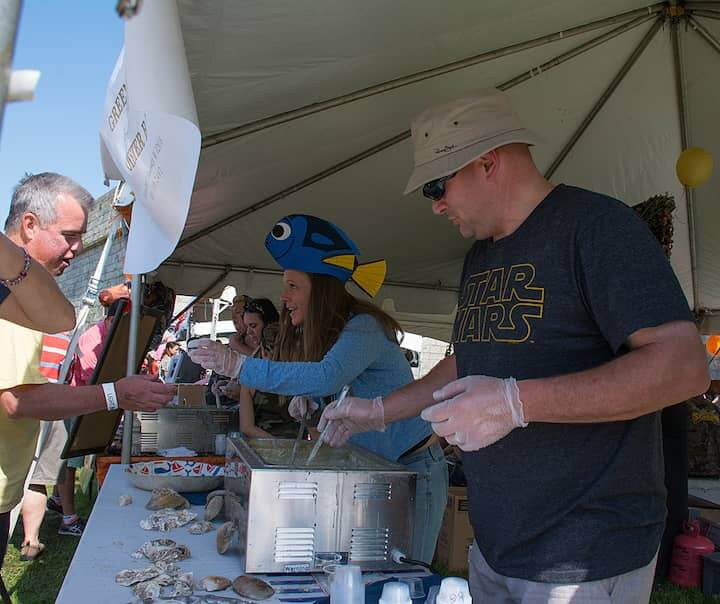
[{"x": 687, "y": 556}]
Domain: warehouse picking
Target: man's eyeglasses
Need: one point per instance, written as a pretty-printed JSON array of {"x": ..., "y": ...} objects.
[{"x": 435, "y": 189}]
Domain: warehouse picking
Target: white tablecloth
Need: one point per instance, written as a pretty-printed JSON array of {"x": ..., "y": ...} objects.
[
  {"x": 705, "y": 488},
  {"x": 113, "y": 533}
]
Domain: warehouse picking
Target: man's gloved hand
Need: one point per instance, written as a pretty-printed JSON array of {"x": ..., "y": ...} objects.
[
  {"x": 216, "y": 356},
  {"x": 353, "y": 416},
  {"x": 476, "y": 411},
  {"x": 301, "y": 406}
]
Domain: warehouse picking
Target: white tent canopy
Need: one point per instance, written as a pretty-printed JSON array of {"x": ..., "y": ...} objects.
[{"x": 304, "y": 107}]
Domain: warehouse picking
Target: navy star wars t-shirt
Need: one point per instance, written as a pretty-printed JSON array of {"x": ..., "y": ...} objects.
[{"x": 566, "y": 503}]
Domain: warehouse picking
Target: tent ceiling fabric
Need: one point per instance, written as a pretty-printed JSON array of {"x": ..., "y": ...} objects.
[{"x": 251, "y": 60}]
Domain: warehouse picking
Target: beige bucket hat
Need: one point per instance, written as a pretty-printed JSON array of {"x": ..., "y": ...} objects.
[{"x": 448, "y": 137}]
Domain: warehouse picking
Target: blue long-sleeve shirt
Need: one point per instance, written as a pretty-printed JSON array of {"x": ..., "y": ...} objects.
[{"x": 362, "y": 357}]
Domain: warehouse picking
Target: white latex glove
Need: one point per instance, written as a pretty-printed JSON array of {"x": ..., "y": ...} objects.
[
  {"x": 476, "y": 411},
  {"x": 353, "y": 416},
  {"x": 301, "y": 406},
  {"x": 216, "y": 356}
]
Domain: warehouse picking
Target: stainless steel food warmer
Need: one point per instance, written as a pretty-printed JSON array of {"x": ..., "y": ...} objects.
[{"x": 346, "y": 505}]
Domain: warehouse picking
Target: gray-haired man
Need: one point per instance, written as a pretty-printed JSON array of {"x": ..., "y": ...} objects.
[
  {"x": 571, "y": 334},
  {"x": 48, "y": 217}
]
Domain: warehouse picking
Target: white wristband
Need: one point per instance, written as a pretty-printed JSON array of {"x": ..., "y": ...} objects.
[{"x": 111, "y": 399}]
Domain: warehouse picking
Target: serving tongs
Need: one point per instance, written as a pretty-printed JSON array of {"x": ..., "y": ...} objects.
[{"x": 343, "y": 393}]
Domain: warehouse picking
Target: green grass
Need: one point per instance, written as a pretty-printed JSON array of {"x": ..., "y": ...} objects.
[{"x": 39, "y": 582}]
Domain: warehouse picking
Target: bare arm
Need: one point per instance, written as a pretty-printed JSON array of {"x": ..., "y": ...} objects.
[
  {"x": 57, "y": 401},
  {"x": 247, "y": 416},
  {"x": 666, "y": 365},
  {"x": 413, "y": 398},
  {"x": 36, "y": 302}
]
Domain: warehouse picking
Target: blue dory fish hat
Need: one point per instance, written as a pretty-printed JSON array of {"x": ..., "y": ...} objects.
[{"x": 313, "y": 245}]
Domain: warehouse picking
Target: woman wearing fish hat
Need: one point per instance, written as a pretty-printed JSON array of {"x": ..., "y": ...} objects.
[{"x": 328, "y": 339}]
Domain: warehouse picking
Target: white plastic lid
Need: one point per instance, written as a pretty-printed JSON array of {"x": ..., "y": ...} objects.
[{"x": 395, "y": 592}]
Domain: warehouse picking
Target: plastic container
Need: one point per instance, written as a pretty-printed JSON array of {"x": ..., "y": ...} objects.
[
  {"x": 395, "y": 592},
  {"x": 415, "y": 585},
  {"x": 453, "y": 590},
  {"x": 347, "y": 585}
]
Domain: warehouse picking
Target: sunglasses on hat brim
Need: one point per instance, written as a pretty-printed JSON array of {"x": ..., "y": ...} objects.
[{"x": 435, "y": 189}]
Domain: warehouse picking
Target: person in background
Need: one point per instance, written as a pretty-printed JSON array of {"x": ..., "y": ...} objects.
[
  {"x": 259, "y": 313},
  {"x": 47, "y": 217},
  {"x": 89, "y": 348},
  {"x": 328, "y": 339},
  {"x": 29, "y": 295},
  {"x": 571, "y": 334},
  {"x": 238, "y": 341},
  {"x": 265, "y": 414},
  {"x": 170, "y": 351}
]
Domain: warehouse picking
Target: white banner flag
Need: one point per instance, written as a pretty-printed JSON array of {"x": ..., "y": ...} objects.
[{"x": 149, "y": 135}]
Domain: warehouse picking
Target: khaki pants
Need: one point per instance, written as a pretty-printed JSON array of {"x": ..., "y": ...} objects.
[{"x": 488, "y": 586}]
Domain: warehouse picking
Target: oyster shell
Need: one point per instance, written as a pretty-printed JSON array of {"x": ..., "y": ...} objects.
[
  {"x": 124, "y": 500},
  {"x": 224, "y": 537},
  {"x": 131, "y": 576},
  {"x": 161, "y": 499},
  {"x": 147, "y": 590},
  {"x": 165, "y": 550},
  {"x": 215, "y": 583},
  {"x": 252, "y": 587},
  {"x": 164, "y": 520},
  {"x": 200, "y": 527},
  {"x": 183, "y": 586},
  {"x": 214, "y": 504}
]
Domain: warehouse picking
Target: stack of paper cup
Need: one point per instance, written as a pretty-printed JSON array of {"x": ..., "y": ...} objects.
[{"x": 347, "y": 586}]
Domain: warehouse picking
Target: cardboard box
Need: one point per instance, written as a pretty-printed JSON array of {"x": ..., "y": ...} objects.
[
  {"x": 191, "y": 395},
  {"x": 456, "y": 534}
]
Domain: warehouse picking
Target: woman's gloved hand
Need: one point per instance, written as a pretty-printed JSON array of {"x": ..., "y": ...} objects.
[
  {"x": 301, "y": 406},
  {"x": 216, "y": 356},
  {"x": 353, "y": 416},
  {"x": 476, "y": 411}
]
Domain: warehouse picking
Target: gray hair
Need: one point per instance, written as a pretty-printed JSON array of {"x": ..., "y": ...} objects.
[{"x": 38, "y": 193}]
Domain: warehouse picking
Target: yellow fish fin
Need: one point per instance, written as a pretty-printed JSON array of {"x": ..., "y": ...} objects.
[
  {"x": 346, "y": 261},
  {"x": 369, "y": 277}
]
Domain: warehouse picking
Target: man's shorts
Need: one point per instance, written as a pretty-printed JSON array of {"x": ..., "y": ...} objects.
[{"x": 49, "y": 463}]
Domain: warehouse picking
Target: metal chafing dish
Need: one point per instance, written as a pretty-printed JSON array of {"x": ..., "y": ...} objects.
[{"x": 347, "y": 505}]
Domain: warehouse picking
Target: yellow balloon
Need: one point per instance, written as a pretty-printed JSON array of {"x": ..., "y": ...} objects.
[{"x": 694, "y": 167}]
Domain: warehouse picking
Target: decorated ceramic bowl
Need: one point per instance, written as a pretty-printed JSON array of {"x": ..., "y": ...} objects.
[{"x": 179, "y": 475}]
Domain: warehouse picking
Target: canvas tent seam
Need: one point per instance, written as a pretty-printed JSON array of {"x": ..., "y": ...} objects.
[
  {"x": 437, "y": 286},
  {"x": 681, "y": 92},
  {"x": 300, "y": 112},
  {"x": 617, "y": 80}
]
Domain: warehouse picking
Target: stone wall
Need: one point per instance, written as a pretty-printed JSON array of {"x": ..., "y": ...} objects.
[{"x": 75, "y": 279}]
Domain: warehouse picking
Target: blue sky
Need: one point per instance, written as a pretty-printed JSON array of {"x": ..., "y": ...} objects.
[{"x": 75, "y": 46}]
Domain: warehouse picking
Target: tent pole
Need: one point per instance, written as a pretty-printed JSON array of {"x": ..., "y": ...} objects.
[
  {"x": 574, "y": 52},
  {"x": 271, "y": 271},
  {"x": 681, "y": 93},
  {"x": 288, "y": 116},
  {"x": 704, "y": 32},
  {"x": 9, "y": 17},
  {"x": 296, "y": 187},
  {"x": 136, "y": 298},
  {"x": 605, "y": 96},
  {"x": 708, "y": 14}
]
